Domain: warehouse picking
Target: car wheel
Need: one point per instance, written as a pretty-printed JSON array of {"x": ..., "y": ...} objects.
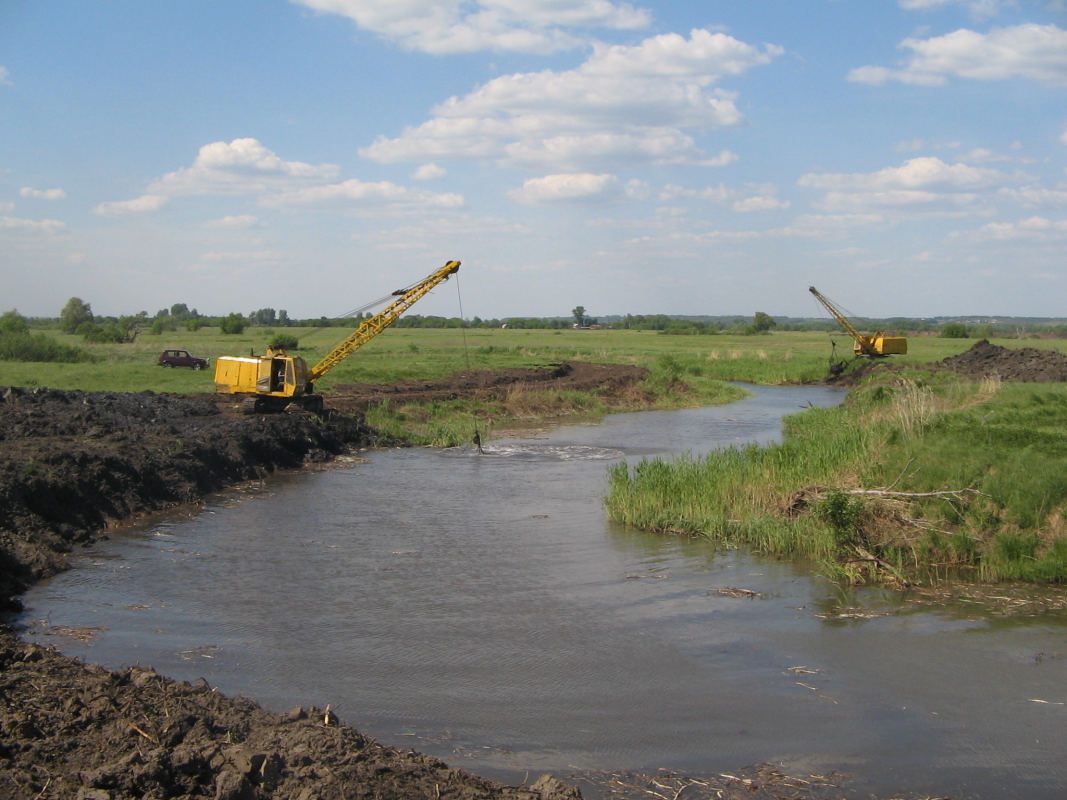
[
  {"x": 168, "y": 366},
  {"x": 198, "y": 366}
]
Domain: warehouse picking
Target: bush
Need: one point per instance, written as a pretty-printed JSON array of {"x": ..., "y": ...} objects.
[
  {"x": 234, "y": 323},
  {"x": 163, "y": 324},
  {"x": 194, "y": 324},
  {"x": 25, "y": 347},
  {"x": 954, "y": 330},
  {"x": 284, "y": 341},
  {"x": 13, "y": 322}
]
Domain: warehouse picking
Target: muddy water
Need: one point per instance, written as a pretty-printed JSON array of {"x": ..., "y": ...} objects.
[{"x": 480, "y": 608}]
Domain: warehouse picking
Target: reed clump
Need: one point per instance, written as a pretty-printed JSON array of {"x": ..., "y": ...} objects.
[{"x": 908, "y": 480}]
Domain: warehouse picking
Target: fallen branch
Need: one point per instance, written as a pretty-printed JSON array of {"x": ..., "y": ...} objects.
[
  {"x": 866, "y": 555},
  {"x": 888, "y": 493}
]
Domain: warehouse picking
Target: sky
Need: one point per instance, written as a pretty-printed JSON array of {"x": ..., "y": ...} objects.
[{"x": 906, "y": 157}]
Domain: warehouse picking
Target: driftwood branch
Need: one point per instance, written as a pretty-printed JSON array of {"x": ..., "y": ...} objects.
[
  {"x": 910, "y": 495},
  {"x": 866, "y": 555}
]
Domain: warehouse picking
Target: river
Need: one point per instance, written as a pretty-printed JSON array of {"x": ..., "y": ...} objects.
[{"x": 480, "y": 608}]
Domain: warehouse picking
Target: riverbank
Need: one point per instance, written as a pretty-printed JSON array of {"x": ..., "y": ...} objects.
[{"x": 923, "y": 474}]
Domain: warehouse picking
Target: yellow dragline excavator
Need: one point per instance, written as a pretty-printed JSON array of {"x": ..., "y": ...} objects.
[
  {"x": 871, "y": 345},
  {"x": 278, "y": 381}
]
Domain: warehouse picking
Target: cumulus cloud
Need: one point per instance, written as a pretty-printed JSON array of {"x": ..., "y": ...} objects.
[
  {"x": 1029, "y": 51},
  {"x": 429, "y": 172},
  {"x": 43, "y": 194},
  {"x": 358, "y": 191},
  {"x": 7, "y": 206},
  {"x": 761, "y": 203},
  {"x": 31, "y": 225},
  {"x": 916, "y": 173},
  {"x": 1035, "y": 196},
  {"x": 144, "y": 204},
  {"x": 581, "y": 186},
  {"x": 466, "y": 26},
  {"x": 979, "y": 8},
  {"x": 243, "y": 166},
  {"x": 624, "y": 105},
  {"x": 4, "y": 77},
  {"x": 232, "y": 221},
  {"x": 1035, "y": 229}
]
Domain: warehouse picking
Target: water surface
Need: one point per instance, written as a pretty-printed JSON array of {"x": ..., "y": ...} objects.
[{"x": 480, "y": 608}]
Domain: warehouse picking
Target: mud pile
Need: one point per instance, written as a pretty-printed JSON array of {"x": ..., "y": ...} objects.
[
  {"x": 608, "y": 379},
  {"x": 1026, "y": 365},
  {"x": 71, "y": 463},
  {"x": 75, "y": 731}
]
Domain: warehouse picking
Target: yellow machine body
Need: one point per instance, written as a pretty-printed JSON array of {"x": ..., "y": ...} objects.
[
  {"x": 883, "y": 345},
  {"x": 275, "y": 374}
]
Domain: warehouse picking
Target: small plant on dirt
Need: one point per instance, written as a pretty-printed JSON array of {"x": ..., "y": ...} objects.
[
  {"x": 30, "y": 469},
  {"x": 412, "y": 347},
  {"x": 284, "y": 341},
  {"x": 841, "y": 513}
]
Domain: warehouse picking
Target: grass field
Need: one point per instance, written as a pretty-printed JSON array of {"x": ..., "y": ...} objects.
[{"x": 398, "y": 353}]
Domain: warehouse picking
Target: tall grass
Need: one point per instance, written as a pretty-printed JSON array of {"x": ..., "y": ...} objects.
[{"x": 1007, "y": 443}]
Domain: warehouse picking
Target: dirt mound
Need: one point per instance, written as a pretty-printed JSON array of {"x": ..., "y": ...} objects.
[
  {"x": 473, "y": 384},
  {"x": 71, "y": 463},
  {"x": 75, "y": 731},
  {"x": 1026, "y": 365}
]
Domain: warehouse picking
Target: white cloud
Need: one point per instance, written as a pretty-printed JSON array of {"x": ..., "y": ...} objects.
[
  {"x": 1033, "y": 196},
  {"x": 244, "y": 166},
  {"x": 917, "y": 173},
  {"x": 381, "y": 193},
  {"x": 4, "y": 77},
  {"x": 7, "y": 206},
  {"x": 1030, "y": 51},
  {"x": 624, "y": 105},
  {"x": 1037, "y": 229},
  {"x": 142, "y": 205},
  {"x": 1063, "y": 137},
  {"x": 43, "y": 194},
  {"x": 979, "y": 8},
  {"x": 761, "y": 203},
  {"x": 429, "y": 172},
  {"x": 467, "y": 26},
  {"x": 231, "y": 221},
  {"x": 31, "y": 225},
  {"x": 581, "y": 187}
]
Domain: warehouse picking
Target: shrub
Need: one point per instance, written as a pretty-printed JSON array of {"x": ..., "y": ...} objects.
[
  {"x": 954, "y": 330},
  {"x": 284, "y": 341},
  {"x": 234, "y": 323},
  {"x": 13, "y": 322},
  {"x": 26, "y": 347}
]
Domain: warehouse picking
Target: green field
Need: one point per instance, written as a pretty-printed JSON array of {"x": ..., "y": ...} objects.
[{"x": 430, "y": 353}]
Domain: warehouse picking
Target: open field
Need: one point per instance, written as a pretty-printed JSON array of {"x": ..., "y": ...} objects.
[{"x": 426, "y": 353}]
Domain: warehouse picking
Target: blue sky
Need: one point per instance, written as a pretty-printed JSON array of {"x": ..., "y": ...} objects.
[{"x": 908, "y": 157}]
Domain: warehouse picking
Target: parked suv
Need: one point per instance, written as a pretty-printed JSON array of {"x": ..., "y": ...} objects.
[{"x": 181, "y": 358}]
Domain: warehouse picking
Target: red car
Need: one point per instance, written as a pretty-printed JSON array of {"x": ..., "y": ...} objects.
[{"x": 182, "y": 358}]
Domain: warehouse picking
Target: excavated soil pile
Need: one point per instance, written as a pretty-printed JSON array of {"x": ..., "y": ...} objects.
[
  {"x": 74, "y": 731},
  {"x": 607, "y": 379},
  {"x": 1026, "y": 365},
  {"x": 72, "y": 462}
]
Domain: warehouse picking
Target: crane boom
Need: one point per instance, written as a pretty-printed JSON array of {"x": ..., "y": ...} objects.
[
  {"x": 873, "y": 345},
  {"x": 380, "y": 321}
]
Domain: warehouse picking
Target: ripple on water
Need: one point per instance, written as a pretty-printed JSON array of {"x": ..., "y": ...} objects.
[{"x": 536, "y": 452}]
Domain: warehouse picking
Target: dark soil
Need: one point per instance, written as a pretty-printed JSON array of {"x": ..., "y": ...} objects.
[
  {"x": 1026, "y": 365},
  {"x": 608, "y": 379}
]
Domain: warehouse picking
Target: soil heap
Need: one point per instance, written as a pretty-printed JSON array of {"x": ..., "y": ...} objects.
[{"x": 1026, "y": 365}]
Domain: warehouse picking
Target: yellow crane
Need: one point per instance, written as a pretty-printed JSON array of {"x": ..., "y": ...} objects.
[
  {"x": 273, "y": 381},
  {"x": 871, "y": 345}
]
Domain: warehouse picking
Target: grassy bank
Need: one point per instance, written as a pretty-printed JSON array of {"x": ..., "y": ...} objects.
[
  {"x": 845, "y": 487},
  {"x": 453, "y": 422}
]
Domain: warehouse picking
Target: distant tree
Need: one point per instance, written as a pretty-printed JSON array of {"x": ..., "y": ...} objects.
[
  {"x": 762, "y": 322},
  {"x": 74, "y": 313},
  {"x": 13, "y": 322},
  {"x": 234, "y": 323},
  {"x": 954, "y": 330},
  {"x": 579, "y": 315},
  {"x": 283, "y": 318},
  {"x": 179, "y": 311},
  {"x": 264, "y": 316}
]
